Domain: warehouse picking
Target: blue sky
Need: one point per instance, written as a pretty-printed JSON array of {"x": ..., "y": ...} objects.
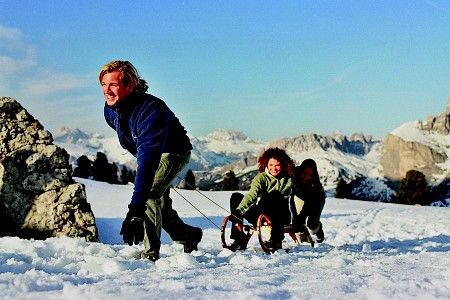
[{"x": 268, "y": 68}]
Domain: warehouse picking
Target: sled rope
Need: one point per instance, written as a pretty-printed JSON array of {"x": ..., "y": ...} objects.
[
  {"x": 211, "y": 200},
  {"x": 198, "y": 191},
  {"x": 206, "y": 217}
]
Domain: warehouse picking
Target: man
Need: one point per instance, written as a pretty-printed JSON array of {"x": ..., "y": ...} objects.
[{"x": 150, "y": 131}]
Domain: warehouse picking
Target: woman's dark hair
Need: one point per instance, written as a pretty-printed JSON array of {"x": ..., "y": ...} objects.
[{"x": 287, "y": 164}]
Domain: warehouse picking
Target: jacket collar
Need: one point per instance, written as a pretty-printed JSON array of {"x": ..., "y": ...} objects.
[{"x": 128, "y": 104}]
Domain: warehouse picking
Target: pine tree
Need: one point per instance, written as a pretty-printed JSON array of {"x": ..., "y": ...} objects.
[
  {"x": 189, "y": 181},
  {"x": 83, "y": 168},
  {"x": 112, "y": 174},
  {"x": 101, "y": 169},
  {"x": 230, "y": 182},
  {"x": 343, "y": 189},
  {"x": 413, "y": 189},
  {"x": 126, "y": 175}
]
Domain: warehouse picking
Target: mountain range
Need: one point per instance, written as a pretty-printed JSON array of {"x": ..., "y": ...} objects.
[
  {"x": 376, "y": 163},
  {"x": 224, "y": 150}
]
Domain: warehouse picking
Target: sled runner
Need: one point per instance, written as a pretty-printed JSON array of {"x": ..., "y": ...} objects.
[{"x": 263, "y": 229}]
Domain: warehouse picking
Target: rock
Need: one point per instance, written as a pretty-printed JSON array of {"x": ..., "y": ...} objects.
[
  {"x": 439, "y": 124},
  {"x": 38, "y": 197},
  {"x": 420, "y": 146},
  {"x": 356, "y": 144},
  {"x": 400, "y": 156}
]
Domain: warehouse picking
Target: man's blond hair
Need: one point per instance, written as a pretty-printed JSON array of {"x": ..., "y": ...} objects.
[{"x": 128, "y": 74}]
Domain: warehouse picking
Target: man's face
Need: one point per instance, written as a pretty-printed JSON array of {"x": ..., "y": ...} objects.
[{"x": 113, "y": 88}]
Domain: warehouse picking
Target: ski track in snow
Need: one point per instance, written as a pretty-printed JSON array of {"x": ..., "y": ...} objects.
[{"x": 371, "y": 251}]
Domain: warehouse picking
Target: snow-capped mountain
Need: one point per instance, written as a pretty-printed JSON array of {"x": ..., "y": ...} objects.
[
  {"x": 78, "y": 143},
  {"x": 217, "y": 149},
  {"x": 223, "y": 147},
  {"x": 222, "y": 150},
  {"x": 336, "y": 155}
]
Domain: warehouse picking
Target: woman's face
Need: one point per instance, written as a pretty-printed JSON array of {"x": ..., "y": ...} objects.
[
  {"x": 274, "y": 167},
  {"x": 307, "y": 175}
]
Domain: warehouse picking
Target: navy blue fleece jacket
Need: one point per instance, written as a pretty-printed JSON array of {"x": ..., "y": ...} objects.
[{"x": 146, "y": 127}]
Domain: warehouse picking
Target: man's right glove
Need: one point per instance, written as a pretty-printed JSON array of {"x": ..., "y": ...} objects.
[{"x": 133, "y": 226}]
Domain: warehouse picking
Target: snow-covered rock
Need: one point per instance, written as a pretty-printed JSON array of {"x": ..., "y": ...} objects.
[{"x": 419, "y": 145}]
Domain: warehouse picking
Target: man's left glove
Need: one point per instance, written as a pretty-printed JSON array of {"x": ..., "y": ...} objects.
[{"x": 133, "y": 226}]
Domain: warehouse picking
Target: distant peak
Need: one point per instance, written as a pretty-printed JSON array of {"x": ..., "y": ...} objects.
[
  {"x": 227, "y": 134},
  {"x": 62, "y": 130},
  {"x": 69, "y": 135},
  {"x": 438, "y": 124}
]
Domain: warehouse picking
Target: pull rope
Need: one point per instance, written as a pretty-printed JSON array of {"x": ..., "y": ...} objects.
[
  {"x": 206, "y": 217},
  {"x": 217, "y": 204}
]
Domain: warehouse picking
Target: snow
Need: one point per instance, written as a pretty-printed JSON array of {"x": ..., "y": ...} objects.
[
  {"x": 410, "y": 132},
  {"x": 372, "y": 250},
  {"x": 230, "y": 142}
]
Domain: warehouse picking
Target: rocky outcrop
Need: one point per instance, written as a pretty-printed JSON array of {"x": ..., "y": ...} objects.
[
  {"x": 400, "y": 156},
  {"x": 38, "y": 197},
  {"x": 421, "y": 147},
  {"x": 439, "y": 124},
  {"x": 356, "y": 144}
]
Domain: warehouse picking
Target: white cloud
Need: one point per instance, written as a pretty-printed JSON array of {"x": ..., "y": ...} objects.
[
  {"x": 46, "y": 82},
  {"x": 11, "y": 65},
  {"x": 21, "y": 73},
  {"x": 10, "y": 34},
  {"x": 15, "y": 55}
]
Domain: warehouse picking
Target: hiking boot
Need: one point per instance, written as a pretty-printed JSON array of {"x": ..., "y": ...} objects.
[
  {"x": 304, "y": 237},
  {"x": 240, "y": 240},
  {"x": 238, "y": 244},
  {"x": 320, "y": 235},
  {"x": 194, "y": 238},
  {"x": 277, "y": 234},
  {"x": 150, "y": 256},
  {"x": 273, "y": 245}
]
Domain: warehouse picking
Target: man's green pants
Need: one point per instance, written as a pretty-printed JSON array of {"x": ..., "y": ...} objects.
[{"x": 159, "y": 211}]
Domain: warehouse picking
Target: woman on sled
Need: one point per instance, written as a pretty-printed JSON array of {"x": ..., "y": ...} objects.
[{"x": 271, "y": 193}]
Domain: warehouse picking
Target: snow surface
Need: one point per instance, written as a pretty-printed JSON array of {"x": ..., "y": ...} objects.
[{"x": 371, "y": 251}]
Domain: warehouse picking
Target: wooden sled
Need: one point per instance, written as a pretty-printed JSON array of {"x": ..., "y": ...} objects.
[{"x": 263, "y": 229}]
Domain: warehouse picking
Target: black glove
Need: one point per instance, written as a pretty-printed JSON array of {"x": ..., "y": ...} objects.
[{"x": 133, "y": 226}]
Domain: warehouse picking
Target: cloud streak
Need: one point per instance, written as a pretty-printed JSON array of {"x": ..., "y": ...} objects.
[
  {"x": 15, "y": 55},
  {"x": 47, "y": 83},
  {"x": 21, "y": 73},
  {"x": 321, "y": 90}
]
